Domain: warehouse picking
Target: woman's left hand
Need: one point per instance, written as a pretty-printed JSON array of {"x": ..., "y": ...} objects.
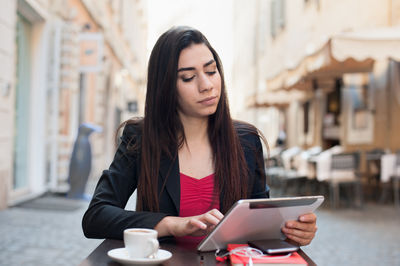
[{"x": 303, "y": 230}]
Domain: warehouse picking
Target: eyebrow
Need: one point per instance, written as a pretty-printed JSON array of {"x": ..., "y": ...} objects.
[{"x": 192, "y": 68}]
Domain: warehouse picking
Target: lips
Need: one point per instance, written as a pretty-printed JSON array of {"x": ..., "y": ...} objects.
[{"x": 208, "y": 100}]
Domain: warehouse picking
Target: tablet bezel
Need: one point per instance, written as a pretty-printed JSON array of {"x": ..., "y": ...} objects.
[{"x": 273, "y": 212}]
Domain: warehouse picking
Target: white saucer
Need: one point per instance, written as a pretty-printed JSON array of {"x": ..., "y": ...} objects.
[{"x": 121, "y": 255}]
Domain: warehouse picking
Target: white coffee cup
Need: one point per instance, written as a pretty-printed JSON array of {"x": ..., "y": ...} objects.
[{"x": 141, "y": 243}]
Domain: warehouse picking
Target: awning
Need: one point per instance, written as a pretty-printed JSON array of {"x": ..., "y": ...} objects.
[
  {"x": 279, "y": 99},
  {"x": 376, "y": 44},
  {"x": 350, "y": 52}
]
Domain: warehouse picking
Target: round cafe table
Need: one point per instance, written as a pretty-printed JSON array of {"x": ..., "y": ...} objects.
[{"x": 181, "y": 255}]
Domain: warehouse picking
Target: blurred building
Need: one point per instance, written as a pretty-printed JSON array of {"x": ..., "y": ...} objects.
[
  {"x": 64, "y": 63},
  {"x": 245, "y": 58},
  {"x": 329, "y": 73}
]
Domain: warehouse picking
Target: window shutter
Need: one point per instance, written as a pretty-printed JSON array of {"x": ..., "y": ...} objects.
[
  {"x": 281, "y": 14},
  {"x": 273, "y": 18}
]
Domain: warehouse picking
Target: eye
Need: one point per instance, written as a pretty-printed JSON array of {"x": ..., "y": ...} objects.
[
  {"x": 210, "y": 73},
  {"x": 184, "y": 79}
]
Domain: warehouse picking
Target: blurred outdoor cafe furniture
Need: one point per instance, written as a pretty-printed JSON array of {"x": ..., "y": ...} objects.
[
  {"x": 291, "y": 166},
  {"x": 390, "y": 170},
  {"x": 373, "y": 164},
  {"x": 305, "y": 166},
  {"x": 182, "y": 254},
  {"x": 279, "y": 168},
  {"x": 338, "y": 171},
  {"x": 345, "y": 170},
  {"x": 302, "y": 162},
  {"x": 373, "y": 169},
  {"x": 334, "y": 167}
]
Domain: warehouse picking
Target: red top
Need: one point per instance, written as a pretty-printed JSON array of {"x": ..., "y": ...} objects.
[{"x": 197, "y": 197}]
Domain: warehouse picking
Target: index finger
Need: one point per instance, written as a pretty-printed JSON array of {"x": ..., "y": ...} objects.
[{"x": 216, "y": 213}]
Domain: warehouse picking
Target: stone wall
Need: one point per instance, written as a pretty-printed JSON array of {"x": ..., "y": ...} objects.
[{"x": 7, "y": 95}]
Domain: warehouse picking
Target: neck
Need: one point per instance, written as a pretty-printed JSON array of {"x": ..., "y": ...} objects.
[{"x": 195, "y": 129}]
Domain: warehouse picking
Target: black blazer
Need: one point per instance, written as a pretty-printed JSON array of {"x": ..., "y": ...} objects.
[{"x": 106, "y": 217}]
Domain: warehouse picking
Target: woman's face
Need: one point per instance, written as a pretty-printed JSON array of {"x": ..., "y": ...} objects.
[{"x": 198, "y": 82}]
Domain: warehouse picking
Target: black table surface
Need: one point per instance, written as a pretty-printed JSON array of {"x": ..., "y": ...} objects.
[{"x": 181, "y": 255}]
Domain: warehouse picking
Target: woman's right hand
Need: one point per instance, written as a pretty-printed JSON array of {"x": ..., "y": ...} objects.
[{"x": 194, "y": 225}]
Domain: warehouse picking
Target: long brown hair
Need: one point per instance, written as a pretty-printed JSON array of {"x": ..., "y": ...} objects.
[{"x": 162, "y": 130}]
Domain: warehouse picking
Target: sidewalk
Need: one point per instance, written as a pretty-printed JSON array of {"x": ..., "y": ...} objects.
[
  {"x": 33, "y": 236},
  {"x": 369, "y": 236}
]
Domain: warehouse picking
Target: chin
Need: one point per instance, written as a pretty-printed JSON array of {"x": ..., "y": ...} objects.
[{"x": 211, "y": 111}]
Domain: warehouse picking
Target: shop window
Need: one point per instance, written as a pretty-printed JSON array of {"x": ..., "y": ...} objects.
[
  {"x": 360, "y": 108},
  {"x": 22, "y": 101},
  {"x": 306, "y": 108},
  {"x": 132, "y": 106},
  {"x": 331, "y": 127},
  {"x": 316, "y": 2},
  {"x": 359, "y": 102},
  {"x": 277, "y": 16},
  {"x": 333, "y": 105}
]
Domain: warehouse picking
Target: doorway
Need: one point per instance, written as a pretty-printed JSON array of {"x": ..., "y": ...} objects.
[{"x": 22, "y": 103}]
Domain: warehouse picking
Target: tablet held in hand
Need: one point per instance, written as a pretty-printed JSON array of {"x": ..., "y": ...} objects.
[{"x": 257, "y": 219}]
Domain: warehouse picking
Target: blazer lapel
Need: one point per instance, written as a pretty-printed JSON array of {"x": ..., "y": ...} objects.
[{"x": 169, "y": 172}]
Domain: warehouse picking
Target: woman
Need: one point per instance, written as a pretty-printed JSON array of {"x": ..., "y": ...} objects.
[{"x": 187, "y": 159}]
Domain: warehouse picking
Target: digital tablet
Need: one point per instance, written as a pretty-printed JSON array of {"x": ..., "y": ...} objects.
[{"x": 256, "y": 219}]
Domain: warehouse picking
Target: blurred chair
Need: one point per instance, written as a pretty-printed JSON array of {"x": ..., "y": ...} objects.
[
  {"x": 302, "y": 162},
  {"x": 344, "y": 170},
  {"x": 306, "y": 169},
  {"x": 373, "y": 170},
  {"x": 287, "y": 156},
  {"x": 280, "y": 168},
  {"x": 373, "y": 163},
  {"x": 273, "y": 169},
  {"x": 289, "y": 172},
  {"x": 390, "y": 171},
  {"x": 323, "y": 162},
  {"x": 396, "y": 181}
]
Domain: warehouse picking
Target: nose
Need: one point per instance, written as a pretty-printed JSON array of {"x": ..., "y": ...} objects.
[{"x": 205, "y": 83}]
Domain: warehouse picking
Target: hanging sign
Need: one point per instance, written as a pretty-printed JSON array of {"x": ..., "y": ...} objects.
[{"x": 91, "y": 46}]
